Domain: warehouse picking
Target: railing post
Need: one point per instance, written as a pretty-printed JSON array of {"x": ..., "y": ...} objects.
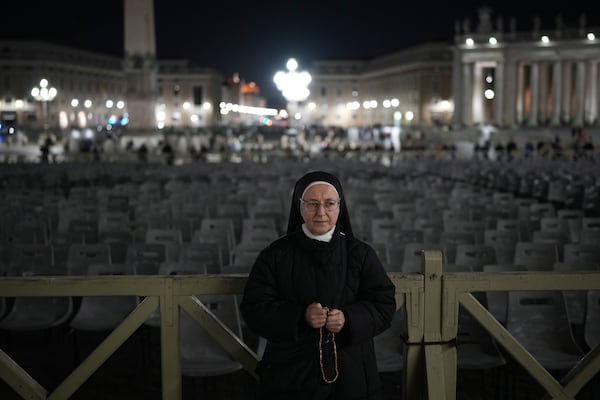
[
  {"x": 440, "y": 356},
  {"x": 169, "y": 343},
  {"x": 413, "y": 377}
]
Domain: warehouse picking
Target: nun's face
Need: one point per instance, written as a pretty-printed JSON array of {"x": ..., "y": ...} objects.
[{"x": 320, "y": 208}]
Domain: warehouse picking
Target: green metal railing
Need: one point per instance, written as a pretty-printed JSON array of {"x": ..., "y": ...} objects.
[{"x": 431, "y": 300}]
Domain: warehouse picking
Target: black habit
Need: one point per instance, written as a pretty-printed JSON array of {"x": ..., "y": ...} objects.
[{"x": 295, "y": 271}]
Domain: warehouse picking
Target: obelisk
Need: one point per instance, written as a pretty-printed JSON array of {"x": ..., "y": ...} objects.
[{"x": 140, "y": 64}]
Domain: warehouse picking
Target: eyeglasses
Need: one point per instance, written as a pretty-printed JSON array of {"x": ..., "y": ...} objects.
[{"x": 328, "y": 205}]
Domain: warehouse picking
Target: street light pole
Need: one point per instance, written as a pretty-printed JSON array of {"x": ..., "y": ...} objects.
[
  {"x": 293, "y": 86},
  {"x": 44, "y": 94}
]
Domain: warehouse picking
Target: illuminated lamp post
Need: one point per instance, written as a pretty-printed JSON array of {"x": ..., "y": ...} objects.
[
  {"x": 293, "y": 85},
  {"x": 44, "y": 94}
]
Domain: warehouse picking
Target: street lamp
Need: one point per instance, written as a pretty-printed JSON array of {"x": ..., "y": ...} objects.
[
  {"x": 44, "y": 94},
  {"x": 293, "y": 85}
]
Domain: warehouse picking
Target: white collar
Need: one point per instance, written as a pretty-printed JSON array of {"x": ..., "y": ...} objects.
[{"x": 326, "y": 237}]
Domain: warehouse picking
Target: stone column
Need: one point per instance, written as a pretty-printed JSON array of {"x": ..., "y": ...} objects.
[
  {"x": 534, "y": 82},
  {"x": 509, "y": 87},
  {"x": 556, "y": 93},
  {"x": 457, "y": 90},
  {"x": 580, "y": 93},
  {"x": 566, "y": 92},
  {"x": 543, "y": 104},
  {"x": 591, "y": 101},
  {"x": 478, "y": 99},
  {"x": 520, "y": 89},
  {"x": 467, "y": 73},
  {"x": 499, "y": 88}
]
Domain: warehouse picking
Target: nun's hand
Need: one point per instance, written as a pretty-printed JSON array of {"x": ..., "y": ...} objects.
[
  {"x": 316, "y": 315},
  {"x": 335, "y": 320}
]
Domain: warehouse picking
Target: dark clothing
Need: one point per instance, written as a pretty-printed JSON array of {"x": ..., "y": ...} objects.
[{"x": 296, "y": 271}]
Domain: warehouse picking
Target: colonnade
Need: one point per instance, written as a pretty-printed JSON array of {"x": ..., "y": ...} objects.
[{"x": 537, "y": 88}]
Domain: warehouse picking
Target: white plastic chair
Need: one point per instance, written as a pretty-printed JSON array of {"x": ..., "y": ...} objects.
[
  {"x": 201, "y": 355},
  {"x": 474, "y": 256},
  {"x": 540, "y": 322},
  {"x": 35, "y": 313},
  {"x": 497, "y": 302},
  {"x": 503, "y": 242},
  {"x": 536, "y": 256},
  {"x": 104, "y": 313},
  {"x": 81, "y": 256}
]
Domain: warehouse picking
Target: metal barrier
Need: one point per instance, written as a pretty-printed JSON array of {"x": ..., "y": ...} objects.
[{"x": 431, "y": 300}]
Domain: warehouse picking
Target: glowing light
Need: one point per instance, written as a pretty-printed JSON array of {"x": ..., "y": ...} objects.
[
  {"x": 409, "y": 116},
  {"x": 206, "y": 105},
  {"x": 229, "y": 107},
  {"x": 353, "y": 105},
  {"x": 489, "y": 94},
  {"x": 493, "y": 41},
  {"x": 81, "y": 119},
  {"x": 87, "y": 103},
  {"x": 43, "y": 92},
  {"x": 442, "y": 106},
  {"x": 186, "y": 105},
  {"x": 88, "y": 133},
  {"x": 395, "y": 102},
  {"x": 293, "y": 85},
  {"x": 109, "y": 103},
  {"x": 446, "y": 105},
  {"x": 387, "y": 103},
  {"x": 545, "y": 39},
  {"x": 120, "y": 104},
  {"x": 367, "y": 104},
  {"x": 250, "y": 88},
  {"x": 63, "y": 119},
  {"x": 469, "y": 42},
  {"x": 591, "y": 36},
  {"x": 74, "y": 103}
]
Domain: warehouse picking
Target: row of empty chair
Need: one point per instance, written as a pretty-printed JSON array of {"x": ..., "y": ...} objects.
[{"x": 215, "y": 219}]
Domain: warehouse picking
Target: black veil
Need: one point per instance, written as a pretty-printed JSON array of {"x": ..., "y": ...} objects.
[{"x": 296, "y": 220}]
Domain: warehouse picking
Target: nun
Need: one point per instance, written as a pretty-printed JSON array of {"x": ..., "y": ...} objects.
[{"x": 319, "y": 296}]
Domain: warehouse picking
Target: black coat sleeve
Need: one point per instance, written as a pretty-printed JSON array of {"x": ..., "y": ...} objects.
[
  {"x": 375, "y": 304},
  {"x": 265, "y": 310}
]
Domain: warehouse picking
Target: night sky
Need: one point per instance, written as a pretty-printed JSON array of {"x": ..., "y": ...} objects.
[{"x": 256, "y": 39}]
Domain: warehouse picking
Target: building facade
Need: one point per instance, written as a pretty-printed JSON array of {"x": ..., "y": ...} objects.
[
  {"x": 94, "y": 90},
  {"x": 489, "y": 75},
  {"x": 546, "y": 76},
  {"x": 408, "y": 87}
]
